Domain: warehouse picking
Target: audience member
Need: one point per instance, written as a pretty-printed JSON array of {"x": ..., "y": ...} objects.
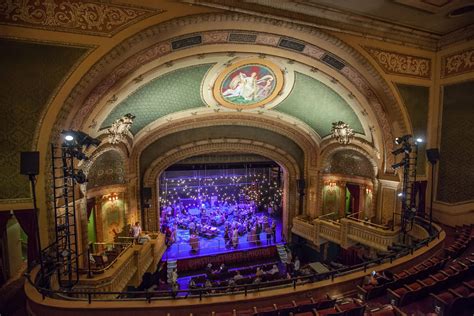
[
  {"x": 274, "y": 270},
  {"x": 297, "y": 265},
  {"x": 238, "y": 276}
]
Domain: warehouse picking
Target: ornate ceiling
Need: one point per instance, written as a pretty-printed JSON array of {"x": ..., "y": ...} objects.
[{"x": 180, "y": 90}]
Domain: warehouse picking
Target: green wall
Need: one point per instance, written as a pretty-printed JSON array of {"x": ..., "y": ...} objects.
[
  {"x": 456, "y": 170},
  {"x": 30, "y": 73},
  {"x": 416, "y": 100}
]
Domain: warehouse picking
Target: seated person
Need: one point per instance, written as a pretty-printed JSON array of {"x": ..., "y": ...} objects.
[
  {"x": 238, "y": 276},
  {"x": 259, "y": 273},
  {"x": 370, "y": 280},
  {"x": 192, "y": 284},
  {"x": 257, "y": 280},
  {"x": 274, "y": 270}
]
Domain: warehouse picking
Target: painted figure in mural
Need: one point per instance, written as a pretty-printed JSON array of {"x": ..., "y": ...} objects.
[{"x": 245, "y": 88}]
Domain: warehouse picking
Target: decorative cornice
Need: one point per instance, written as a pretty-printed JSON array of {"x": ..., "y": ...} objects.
[
  {"x": 89, "y": 17},
  {"x": 457, "y": 63},
  {"x": 401, "y": 64}
]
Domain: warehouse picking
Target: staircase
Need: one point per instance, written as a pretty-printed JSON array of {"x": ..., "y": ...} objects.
[
  {"x": 171, "y": 265},
  {"x": 282, "y": 252}
]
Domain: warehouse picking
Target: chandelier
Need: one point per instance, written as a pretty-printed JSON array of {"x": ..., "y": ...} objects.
[
  {"x": 120, "y": 128},
  {"x": 342, "y": 132}
]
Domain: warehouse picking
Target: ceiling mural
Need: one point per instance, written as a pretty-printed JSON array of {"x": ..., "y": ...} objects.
[
  {"x": 248, "y": 84},
  {"x": 264, "y": 85}
]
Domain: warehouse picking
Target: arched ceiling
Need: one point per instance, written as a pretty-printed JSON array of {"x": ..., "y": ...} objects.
[
  {"x": 175, "y": 140},
  {"x": 304, "y": 97}
]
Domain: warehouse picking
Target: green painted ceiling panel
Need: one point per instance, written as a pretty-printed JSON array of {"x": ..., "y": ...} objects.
[
  {"x": 318, "y": 106},
  {"x": 175, "y": 91}
]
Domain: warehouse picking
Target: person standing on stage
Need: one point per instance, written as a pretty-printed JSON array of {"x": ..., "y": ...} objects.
[
  {"x": 269, "y": 233},
  {"x": 274, "y": 232},
  {"x": 235, "y": 237},
  {"x": 136, "y": 231}
]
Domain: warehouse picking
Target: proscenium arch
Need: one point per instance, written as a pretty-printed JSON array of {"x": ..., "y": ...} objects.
[
  {"x": 309, "y": 148},
  {"x": 289, "y": 165},
  {"x": 212, "y": 22}
]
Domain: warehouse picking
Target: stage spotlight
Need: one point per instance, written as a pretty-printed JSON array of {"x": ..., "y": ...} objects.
[
  {"x": 406, "y": 148},
  {"x": 402, "y": 139},
  {"x": 419, "y": 140},
  {"x": 79, "y": 139},
  {"x": 80, "y": 177},
  {"x": 400, "y": 164},
  {"x": 400, "y": 194}
]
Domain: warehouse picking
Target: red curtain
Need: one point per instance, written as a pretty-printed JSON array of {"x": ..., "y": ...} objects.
[
  {"x": 355, "y": 192},
  {"x": 27, "y": 220}
]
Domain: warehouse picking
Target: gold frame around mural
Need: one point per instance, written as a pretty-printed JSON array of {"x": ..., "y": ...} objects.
[{"x": 248, "y": 62}]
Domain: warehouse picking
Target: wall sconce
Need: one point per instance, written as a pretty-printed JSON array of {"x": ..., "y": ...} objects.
[
  {"x": 331, "y": 186},
  {"x": 368, "y": 191},
  {"x": 111, "y": 197}
]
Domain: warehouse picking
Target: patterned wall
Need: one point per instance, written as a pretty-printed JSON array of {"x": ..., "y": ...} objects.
[
  {"x": 456, "y": 169},
  {"x": 318, "y": 106},
  {"x": 108, "y": 169},
  {"x": 30, "y": 74},
  {"x": 349, "y": 162},
  {"x": 416, "y": 101},
  {"x": 176, "y": 91}
]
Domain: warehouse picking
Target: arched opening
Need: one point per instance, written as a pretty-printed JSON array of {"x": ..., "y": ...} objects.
[{"x": 221, "y": 202}]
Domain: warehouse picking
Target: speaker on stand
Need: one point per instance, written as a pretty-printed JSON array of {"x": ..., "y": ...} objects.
[{"x": 29, "y": 166}]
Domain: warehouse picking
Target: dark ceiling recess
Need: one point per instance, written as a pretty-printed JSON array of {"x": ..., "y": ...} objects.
[
  {"x": 461, "y": 11},
  {"x": 237, "y": 165}
]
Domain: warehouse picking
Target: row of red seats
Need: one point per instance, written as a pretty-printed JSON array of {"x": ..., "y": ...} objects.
[
  {"x": 284, "y": 309},
  {"x": 431, "y": 283},
  {"x": 464, "y": 237}
]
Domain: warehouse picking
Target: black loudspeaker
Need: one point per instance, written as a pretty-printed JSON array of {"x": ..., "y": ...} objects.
[
  {"x": 300, "y": 184},
  {"x": 433, "y": 155},
  {"x": 146, "y": 193},
  {"x": 29, "y": 162}
]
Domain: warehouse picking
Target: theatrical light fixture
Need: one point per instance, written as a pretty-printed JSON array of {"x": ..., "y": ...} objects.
[
  {"x": 402, "y": 139},
  {"x": 406, "y": 148},
  {"x": 78, "y": 139},
  {"x": 400, "y": 194},
  {"x": 80, "y": 177},
  {"x": 400, "y": 164},
  {"x": 419, "y": 140}
]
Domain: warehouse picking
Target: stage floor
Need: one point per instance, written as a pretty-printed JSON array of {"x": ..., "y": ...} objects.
[{"x": 181, "y": 248}]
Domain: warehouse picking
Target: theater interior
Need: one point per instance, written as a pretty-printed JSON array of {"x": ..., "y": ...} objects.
[{"x": 237, "y": 157}]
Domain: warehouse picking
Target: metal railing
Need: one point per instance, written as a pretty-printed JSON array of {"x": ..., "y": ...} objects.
[{"x": 150, "y": 296}]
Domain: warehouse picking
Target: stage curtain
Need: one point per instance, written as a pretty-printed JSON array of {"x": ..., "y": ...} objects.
[
  {"x": 355, "y": 192},
  {"x": 90, "y": 207},
  {"x": 27, "y": 221},
  {"x": 4, "y": 217}
]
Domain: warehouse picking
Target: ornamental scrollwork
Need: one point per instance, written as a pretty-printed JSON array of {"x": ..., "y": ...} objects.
[
  {"x": 458, "y": 63},
  {"x": 401, "y": 64},
  {"x": 98, "y": 18}
]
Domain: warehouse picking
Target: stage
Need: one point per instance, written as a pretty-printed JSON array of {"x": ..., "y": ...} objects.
[{"x": 181, "y": 249}]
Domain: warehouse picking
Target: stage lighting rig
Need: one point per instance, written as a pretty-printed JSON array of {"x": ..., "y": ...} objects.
[
  {"x": 402, "y": 139},
  {"x": 79, "y": 139},
  {"x": 400, "y": 164}
]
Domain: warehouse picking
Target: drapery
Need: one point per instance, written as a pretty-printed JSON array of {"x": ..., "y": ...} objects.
[{"x": 27, "y": 221}]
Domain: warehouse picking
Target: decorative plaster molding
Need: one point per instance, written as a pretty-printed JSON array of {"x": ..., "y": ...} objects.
[
  {"x": 89, "y": 17},
  {"x": 457, "y": 63},
  {"x": 401, "y": 64}
]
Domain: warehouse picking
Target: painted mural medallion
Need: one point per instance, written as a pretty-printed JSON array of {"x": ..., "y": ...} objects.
[{"x": 248, "y": 84}]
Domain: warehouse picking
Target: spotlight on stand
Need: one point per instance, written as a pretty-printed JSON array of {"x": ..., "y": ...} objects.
[
  {"x": 402, "y": 139},
  {"x": 79, "y": 139},
  {"x": 80, "y": 177},
  {"x": 406, "y": 148},
  {"x": 400, "y": 164}
]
